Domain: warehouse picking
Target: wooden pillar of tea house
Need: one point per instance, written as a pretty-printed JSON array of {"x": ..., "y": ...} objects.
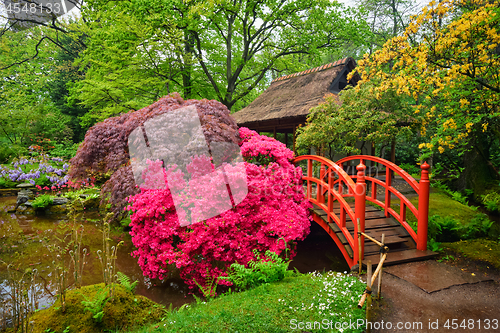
[
  {"x": 286, "y": 139},
  {"x": 372, "y": 152},
  {"x": 274, "y": 132},
  {"x": 294, "y": 137}
]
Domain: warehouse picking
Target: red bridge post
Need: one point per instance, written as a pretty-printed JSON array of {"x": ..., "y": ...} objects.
[
  {"x": 360, "y": 208},
  {"x": 321, "y": 190},
  {"x": 423, "y": 208}
]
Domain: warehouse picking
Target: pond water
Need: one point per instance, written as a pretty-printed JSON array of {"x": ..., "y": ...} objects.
[{"x": 22, "y": 243}]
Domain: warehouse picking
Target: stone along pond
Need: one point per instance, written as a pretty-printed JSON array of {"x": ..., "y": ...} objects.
[{"x": 25, "y": 238}]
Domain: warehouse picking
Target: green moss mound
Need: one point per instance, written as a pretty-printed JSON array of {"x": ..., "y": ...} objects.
[
  {"x": 478, "y": 249},
  {"x": 439, "y": 204},
  {"x": 123, "y": 311}
]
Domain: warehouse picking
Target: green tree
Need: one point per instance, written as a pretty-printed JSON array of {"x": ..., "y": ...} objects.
[
  {"x": 128, "y": 64},
  {"x": 387, "y": 18},
  {"x": 357, "y": 115},
  {"x": 452, "y": 76},
  {"x": 223, "y": 50},
  {"x": 64, "y": 75},
  {"x": 25, "y": 108}
]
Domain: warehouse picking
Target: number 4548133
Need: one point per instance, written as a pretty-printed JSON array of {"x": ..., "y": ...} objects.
[
  {"x": 33, "y": 8},
  {"x": 471, "y": 324}
]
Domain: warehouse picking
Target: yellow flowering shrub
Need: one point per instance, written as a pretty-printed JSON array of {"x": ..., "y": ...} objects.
[{"x": 447, "y": 63}]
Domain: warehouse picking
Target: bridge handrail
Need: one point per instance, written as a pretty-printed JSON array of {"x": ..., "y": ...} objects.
[
  {"x": 422, "y": 190},
  {"x": 388, "y": 164},
  {"x": 328, "y": 188}
]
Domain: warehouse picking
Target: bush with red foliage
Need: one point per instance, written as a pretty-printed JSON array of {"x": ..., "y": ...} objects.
[
  {"x": 272, "y": 216},
  {"x": 104, "y": 152}
]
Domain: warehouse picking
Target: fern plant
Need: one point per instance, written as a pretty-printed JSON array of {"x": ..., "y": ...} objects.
[
  {"x": 209, "y": 290},
  {"x": 96, "y": 304},
  {"x": 125, "y": 281},
  {"x": 42, "y": 201},
  {"x": 272, "y": 268}
]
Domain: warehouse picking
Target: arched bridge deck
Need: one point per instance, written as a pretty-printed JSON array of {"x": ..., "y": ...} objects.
[{"x": 339, "y": 198}]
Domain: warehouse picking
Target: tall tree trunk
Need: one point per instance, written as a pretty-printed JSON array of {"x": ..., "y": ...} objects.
[
  {"x": 188, "y": 64},
  {"x": 478, "y": 174}
]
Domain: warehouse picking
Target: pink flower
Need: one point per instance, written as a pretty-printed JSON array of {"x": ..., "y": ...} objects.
[{"x": 273, "y": 215}]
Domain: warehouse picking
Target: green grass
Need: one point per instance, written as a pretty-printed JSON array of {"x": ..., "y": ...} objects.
[
  {"x": 276, "y": 307},
  {"x": 478, "y": 249},
  {"x": 440, "y": 204}
]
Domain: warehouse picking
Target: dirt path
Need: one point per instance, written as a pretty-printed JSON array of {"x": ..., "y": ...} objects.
[{"x": 463, "y": 308}]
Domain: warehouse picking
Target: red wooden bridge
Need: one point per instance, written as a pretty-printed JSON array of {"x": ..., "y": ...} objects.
[{"x": 340, "y": 198}]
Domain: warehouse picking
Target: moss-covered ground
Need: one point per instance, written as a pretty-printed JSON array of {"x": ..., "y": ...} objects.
[
  {"x": 306, "y": 303},
  {"x": 124, "y": 311},
  {"x": 484, "y": 250},
  {"x": 440, "y": 204}
]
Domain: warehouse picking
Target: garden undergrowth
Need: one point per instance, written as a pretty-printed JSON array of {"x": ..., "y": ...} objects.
[
  {"x": 327, "y": 299},
  {"x": 485, "y": 250}
]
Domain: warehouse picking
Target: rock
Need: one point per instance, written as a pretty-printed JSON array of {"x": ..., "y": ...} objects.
[
  {"x": 8, "y": 192},
  {"x": 25, "y": 185},
  {"x": 56, "y": 209},
  {"x": 92, "y": 203},
  {"x": 25, "y": 193},
  {"x": 26, "y": 210},
  {"x": 59, "y": 201}
]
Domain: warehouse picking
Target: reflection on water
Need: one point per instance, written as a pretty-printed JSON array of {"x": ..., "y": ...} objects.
[{"x": 21, "y": 242}]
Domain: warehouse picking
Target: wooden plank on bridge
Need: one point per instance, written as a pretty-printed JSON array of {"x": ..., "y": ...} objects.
[
  {"x": 400, "y": 257},
  {"x": 402, "y": 248}
]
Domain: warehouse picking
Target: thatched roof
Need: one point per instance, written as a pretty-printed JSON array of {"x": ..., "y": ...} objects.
[{"x": 288, "y": 99}]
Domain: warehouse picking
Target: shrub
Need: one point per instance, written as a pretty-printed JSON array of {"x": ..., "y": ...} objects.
[
  {"x": 272, "y": 268},
  {"x": 491, "y": 201},
  {"x": 448, "y": 229},
  {"x": 274, "y": 208},
  {"x": 40, "y": 170},
  {"x": 104, "y": 152},
  {"x": 42, "y": 201},
  {"x": 412, "y": 169},
  {"x": 6, "y": 153}
]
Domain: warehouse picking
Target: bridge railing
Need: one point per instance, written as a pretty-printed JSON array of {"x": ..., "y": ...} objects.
[
  {"x": 421, "y": 189},
  {"x": 332, "y": 184}
]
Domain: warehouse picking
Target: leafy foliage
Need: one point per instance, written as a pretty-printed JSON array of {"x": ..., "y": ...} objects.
[
  {"x": 104, "y": 152},
  {"x": 125, "y": 281},
  {"x": 270, "y": 268},
  {"x": 42, "y": 201},
  {"x": 360, "y": 115},
  {"x": 96, "y": 305},
  {"x": 451, "y": 73},
  {"x": 448, "y": 229},
  {"x": 492, "y": 201},
  {"x": 275, "y": 207}
]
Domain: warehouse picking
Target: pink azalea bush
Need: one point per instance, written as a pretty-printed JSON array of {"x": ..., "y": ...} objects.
[{"x": 273, "y": 216}]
